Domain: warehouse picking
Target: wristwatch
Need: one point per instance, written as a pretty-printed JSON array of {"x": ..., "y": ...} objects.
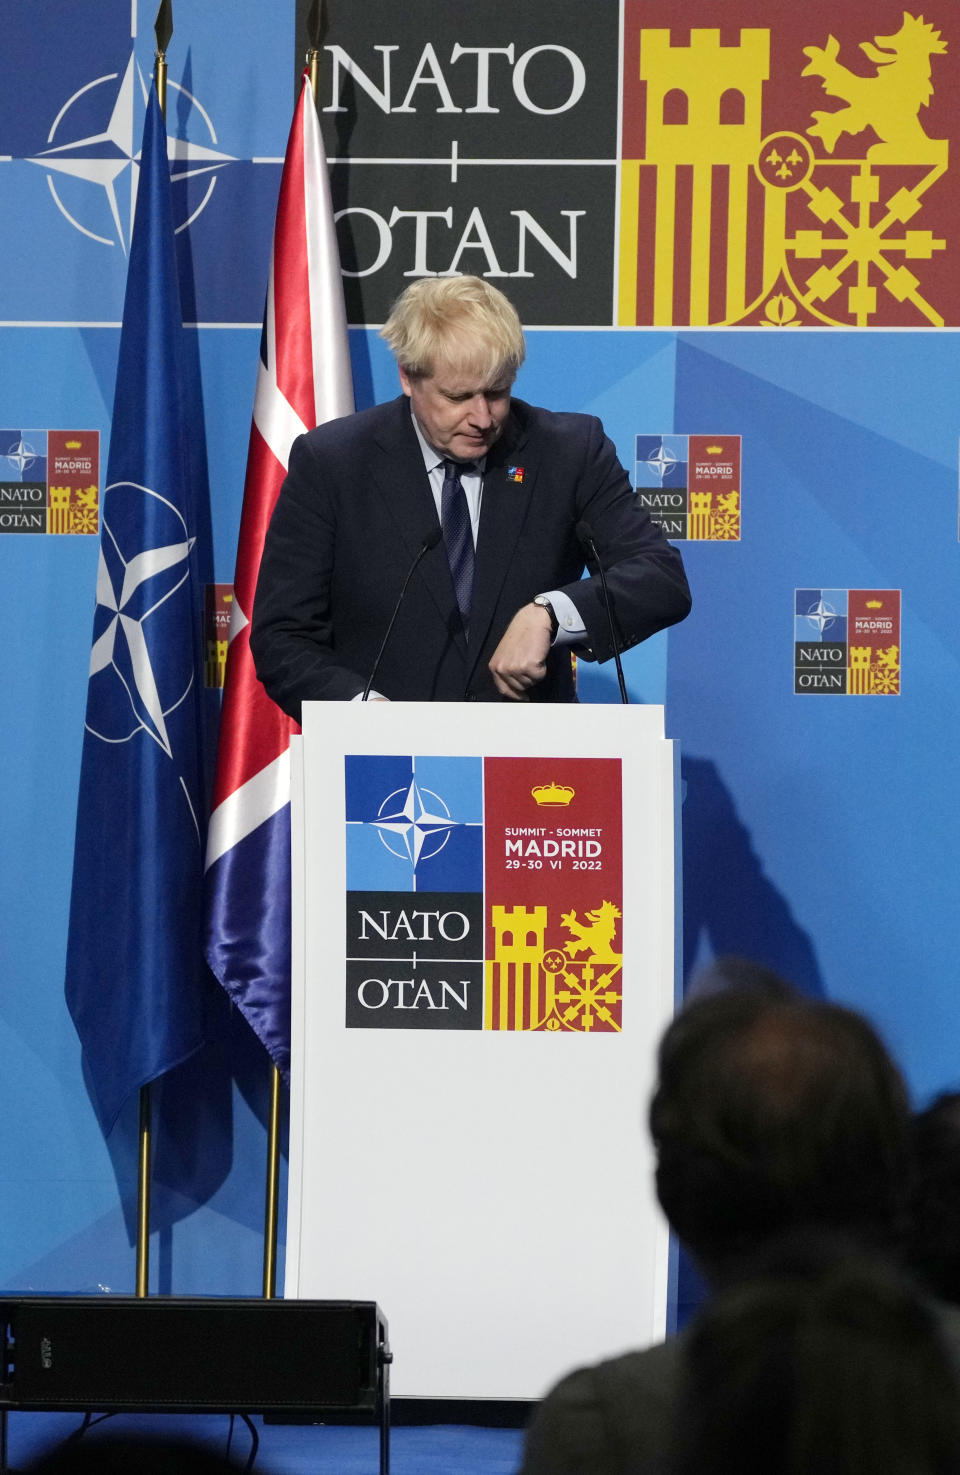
[{"x": 544, "y": 603}]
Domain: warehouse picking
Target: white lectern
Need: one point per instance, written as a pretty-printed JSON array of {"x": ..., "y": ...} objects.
[{"x": 483, "y": 961}]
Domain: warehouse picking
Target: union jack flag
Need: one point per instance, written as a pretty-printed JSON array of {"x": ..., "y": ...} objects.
[{"x": 303, "y": 379}]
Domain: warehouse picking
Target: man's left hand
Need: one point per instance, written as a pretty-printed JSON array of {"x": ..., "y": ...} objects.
[{"x": 520, "y": 660}]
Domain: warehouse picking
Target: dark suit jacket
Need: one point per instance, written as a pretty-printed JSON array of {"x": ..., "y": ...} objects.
[
  {"x": 615, "y": 1418},
  {"x": 356, "y": 506}
]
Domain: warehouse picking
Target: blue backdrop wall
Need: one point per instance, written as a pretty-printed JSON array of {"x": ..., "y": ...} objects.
[{"x": 820, "y": 829}]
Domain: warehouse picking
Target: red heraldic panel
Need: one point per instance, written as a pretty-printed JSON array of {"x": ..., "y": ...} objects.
[{"x": 554, "y": 894}]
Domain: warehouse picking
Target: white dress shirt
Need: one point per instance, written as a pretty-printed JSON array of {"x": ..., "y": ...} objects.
[{"x": 570, "y": 627}]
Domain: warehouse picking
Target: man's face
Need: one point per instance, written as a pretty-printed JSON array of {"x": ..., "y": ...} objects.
[{"x": 459, "y": 417}]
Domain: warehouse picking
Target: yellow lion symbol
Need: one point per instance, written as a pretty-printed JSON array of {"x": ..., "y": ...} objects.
[
  {"x": 595, "y": 934},
  {"x": 888, "y": 102}
]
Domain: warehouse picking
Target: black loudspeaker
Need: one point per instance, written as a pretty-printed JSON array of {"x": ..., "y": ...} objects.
[{"x": 160, "y": 1354}]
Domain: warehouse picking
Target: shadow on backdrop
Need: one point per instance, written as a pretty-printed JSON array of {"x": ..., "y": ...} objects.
[
  {"x": 730, "y": 907},
  {"x": 729, "y": 904}
]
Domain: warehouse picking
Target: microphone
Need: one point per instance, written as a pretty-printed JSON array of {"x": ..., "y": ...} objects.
[
  {"x": 431, "y": 540},
  {"x": 585, "y": 538}
]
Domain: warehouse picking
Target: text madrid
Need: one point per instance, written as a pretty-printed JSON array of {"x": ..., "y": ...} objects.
[{"x": 581, "y": 848}]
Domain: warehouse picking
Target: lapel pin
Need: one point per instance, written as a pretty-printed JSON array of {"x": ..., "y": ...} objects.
[{"x": 515, "y": 473}]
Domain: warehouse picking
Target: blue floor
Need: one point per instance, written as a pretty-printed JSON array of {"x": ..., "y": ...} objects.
[{"x": 294, "y": 1449}]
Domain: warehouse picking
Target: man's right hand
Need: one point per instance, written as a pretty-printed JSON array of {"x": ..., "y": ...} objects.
[{"x": 520, "y": 660}]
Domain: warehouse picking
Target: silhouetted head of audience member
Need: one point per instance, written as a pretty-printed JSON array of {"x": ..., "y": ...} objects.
[
  {"x": 819, "y": 1359},
  {"x": 772, "y": 1112},
  {"x": 933, "y": 1224}
]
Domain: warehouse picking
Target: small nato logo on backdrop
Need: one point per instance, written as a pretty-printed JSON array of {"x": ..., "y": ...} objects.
[
  {"x": 690, "y": 485},
  {"x": 846, "y": 642},
  {"x": 49, "y": 481}
]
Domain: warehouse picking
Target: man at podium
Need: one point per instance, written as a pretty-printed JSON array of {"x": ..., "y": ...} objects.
[{"x": 431, "y": 548}]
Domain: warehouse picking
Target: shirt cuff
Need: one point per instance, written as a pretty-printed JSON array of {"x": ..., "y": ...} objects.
[{"x": 570, "y": 627}]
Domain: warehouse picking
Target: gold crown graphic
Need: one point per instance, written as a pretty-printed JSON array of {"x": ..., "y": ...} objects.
[
  {"x": 874, "y": 604},
  {"x": 553, "y": 793},
  {"x": 73, "y": 445},
  {"x": 714, "y": 450}
]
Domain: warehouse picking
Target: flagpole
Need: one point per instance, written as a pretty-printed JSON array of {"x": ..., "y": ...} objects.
[
  {"x": 271, "y": 1211},
  {"x": 163, "y": 30},
  {"x": 271, "y": 1216},
  {"x": 272, "y": 1196},
  {"x": 303, "y": 380},
  {"x": 143, "y": 1195}
]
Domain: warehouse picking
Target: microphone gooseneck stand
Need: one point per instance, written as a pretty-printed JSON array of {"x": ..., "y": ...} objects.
[{"x": 585, "y": 536}]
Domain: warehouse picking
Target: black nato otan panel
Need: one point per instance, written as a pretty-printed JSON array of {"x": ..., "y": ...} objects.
[
  {"x": 160, "y": 1354},
  {"x": 473, "y": 138}
]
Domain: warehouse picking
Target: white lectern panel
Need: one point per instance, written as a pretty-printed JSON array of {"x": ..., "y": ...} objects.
[{"x": 483, "y": 963}]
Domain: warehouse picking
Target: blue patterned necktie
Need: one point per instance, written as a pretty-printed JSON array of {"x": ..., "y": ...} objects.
[{"x": 457, "y": 537}]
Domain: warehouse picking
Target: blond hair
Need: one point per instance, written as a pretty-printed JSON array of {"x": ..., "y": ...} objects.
[{"x": 459, "y": 322}]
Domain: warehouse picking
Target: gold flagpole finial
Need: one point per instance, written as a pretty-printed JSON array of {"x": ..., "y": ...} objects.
[
  {"x": 313, "y": 46},
  {"x": 163, "y": 30}
]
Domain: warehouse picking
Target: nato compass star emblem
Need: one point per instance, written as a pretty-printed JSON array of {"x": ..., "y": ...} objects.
[
  {"x": 662, "y": 462},
  {"x": 140, "y": 665},
  {"x": 821, "y": 616},
  {"x": 414, "y": 823},
  {"x": 108, "y": 159},
  {"x": 21, "y": 456}
]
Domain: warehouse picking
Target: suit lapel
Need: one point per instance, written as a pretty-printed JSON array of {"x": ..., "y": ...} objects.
[
  {"x": 402, "y": 482},
  {"x": 507, "y": 486}
]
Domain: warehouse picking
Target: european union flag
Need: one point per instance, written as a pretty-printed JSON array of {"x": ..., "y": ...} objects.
[{"x": 134, "y": 982}]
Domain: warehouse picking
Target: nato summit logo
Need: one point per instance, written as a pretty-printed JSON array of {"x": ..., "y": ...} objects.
[
  {"x": 690, "y": 485},
  {"x": 846, "y": 642},
  {"x": 414, "y": 868},
  {"x": 49, "y": 481}
]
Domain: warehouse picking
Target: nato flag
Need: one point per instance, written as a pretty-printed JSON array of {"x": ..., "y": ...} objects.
[{"x": 134, "y": 981}]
